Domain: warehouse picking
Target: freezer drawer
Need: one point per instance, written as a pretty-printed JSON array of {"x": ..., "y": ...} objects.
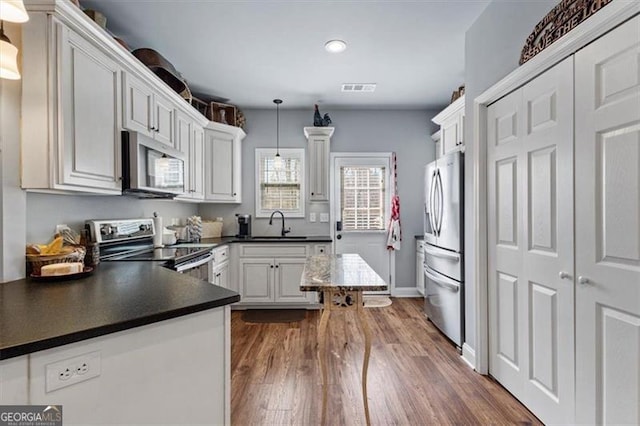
[
  {"x": 445, "y": 262},
  {"x": 443, "y": 304}
]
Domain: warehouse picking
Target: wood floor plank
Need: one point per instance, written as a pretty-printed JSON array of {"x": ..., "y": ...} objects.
[{"x": 416, "y": 376}]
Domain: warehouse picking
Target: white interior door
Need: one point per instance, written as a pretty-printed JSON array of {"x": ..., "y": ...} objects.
[
  {"x": 608, "y": 228},
  {"x": 360, "y": 200},
  {"x": 531, "y": 258}
]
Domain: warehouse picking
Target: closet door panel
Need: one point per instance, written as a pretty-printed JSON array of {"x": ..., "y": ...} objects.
[{"x": 608, "y": 228}]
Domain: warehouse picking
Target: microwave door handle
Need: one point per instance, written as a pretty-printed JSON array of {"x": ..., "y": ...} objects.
[
  {"x": 190, "y": 265},
  {"x": 440, "y": 282}
]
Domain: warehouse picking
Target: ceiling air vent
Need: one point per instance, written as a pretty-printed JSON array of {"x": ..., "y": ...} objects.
[{"x": 358, "y": 87}]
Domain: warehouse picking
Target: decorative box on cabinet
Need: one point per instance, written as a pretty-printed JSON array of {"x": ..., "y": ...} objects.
[
  {"x": 223, "y": 163},
  {"x": 70, "y": 106},
  {"x": 451, "y": 122},
  {"x": 319, "y": 139}
]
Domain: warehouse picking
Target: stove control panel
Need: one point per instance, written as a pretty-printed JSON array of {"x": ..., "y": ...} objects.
[{"x": 120, "y": 230}]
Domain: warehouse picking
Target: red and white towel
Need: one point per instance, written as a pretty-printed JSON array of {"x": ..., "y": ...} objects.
[{"x": 394, "y": 232}]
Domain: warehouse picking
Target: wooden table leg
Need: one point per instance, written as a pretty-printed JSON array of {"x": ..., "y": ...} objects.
[
  {"x": 322, "y": 349},
  {"x": 367, "y": 352}
]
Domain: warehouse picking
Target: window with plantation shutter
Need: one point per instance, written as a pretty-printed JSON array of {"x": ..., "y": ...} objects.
[
  {"x": 280, "y": 188},
  {"x": 362, "y": 196}
]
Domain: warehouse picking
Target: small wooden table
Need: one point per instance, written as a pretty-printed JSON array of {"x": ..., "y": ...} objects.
[{"x": 341, "y": 278}]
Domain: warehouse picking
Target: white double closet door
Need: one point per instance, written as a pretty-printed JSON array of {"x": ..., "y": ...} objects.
[{"x": 585, "y": 370}]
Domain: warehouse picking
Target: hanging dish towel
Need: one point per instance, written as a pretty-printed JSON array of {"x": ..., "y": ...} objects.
[{"x": 394, "y": 233}]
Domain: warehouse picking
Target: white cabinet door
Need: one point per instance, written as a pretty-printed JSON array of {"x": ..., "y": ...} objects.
[
  {"x": 90, "y": 89},
  {"x": 608, "y": 228},
  {"x": 221, "y": 152},
  {"x": 138, "y": 113},
  {"x": 530, "y": 183},
  {"x": 196, "y": 161},
  {"x": 419, "y": 267},
  {"x": 164, "y": 121},
  {"x": 256, "y": 277},
  {"x": 184, "y": 129},
  {"x": 287, "y": 280},
  {"x": 220, "y": 275},
  {"x": 319, "y": 168},
  {"x": 449, "y": 138}
]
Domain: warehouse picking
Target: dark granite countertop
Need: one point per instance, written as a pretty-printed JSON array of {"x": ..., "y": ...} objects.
[
  {"x": 267, "y": 239},
  {"x": 118, "y": 296}
]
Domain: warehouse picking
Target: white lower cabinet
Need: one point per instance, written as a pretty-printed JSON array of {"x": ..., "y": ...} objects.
[
  {"x": 269, "y": 274},
  {"x": 220, "y": 275},
  {"x": 419, "y": 263}
]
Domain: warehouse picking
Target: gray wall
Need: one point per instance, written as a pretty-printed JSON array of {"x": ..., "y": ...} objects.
[
  {"x": 405, "y": 132},
  {"x": 492, "y": 50},
  {"x": 45, "y": 211}
]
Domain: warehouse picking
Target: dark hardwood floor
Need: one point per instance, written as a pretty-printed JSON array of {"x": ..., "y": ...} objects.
[{"x": 416, "y": 377}]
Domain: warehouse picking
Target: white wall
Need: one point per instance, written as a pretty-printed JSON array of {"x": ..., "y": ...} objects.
[
  {"x": 405, "y": 132},
  {"x": 492, "y": 50}
]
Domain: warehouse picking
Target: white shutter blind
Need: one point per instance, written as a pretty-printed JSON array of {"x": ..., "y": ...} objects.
[
  {"x": 280, "y": 189},
  {"x": 362, "y": 192}
]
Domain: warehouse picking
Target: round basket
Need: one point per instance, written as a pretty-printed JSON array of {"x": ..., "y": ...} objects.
[{"x": 37, "y": 261}]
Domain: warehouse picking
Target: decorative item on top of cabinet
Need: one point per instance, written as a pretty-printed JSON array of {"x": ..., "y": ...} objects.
[
  {"x": 451, "y": 122},
  {"x": 319, "y": 142},
  {"x": 559, "y": 21},
  {"x": 161, "y": 67},
  {"x": 318, "y": 120},
  {"x": 222, "y": 113}
]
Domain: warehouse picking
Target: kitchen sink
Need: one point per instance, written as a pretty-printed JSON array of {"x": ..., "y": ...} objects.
[{"x": 275, "y": 237}]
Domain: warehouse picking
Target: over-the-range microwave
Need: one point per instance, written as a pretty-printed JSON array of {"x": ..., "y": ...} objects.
[{"x": 151, "y": 169}]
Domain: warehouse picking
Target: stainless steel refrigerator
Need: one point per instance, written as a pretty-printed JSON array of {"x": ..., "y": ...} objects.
[{"x": 444, "y": 241}]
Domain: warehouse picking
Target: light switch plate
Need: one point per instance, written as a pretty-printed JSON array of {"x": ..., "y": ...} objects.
[
  {"x": 324, "y": 217},
  {"x": 312, "y": 217}
]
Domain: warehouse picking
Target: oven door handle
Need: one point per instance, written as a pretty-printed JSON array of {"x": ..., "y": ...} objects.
[{"x": 190, "y": 265}]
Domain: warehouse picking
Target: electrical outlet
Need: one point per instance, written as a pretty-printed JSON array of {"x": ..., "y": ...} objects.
[
  {"x": 324, "y": 217},
  {"x": 312, "y": 217},
  {"x": 71, "y": 371}
]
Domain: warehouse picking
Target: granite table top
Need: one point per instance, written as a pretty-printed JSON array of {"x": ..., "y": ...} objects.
[{"x": 347, "y": 272}]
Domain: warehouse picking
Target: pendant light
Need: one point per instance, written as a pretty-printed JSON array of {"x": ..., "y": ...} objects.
[
  {"x": 278, "y": 163},
  {"x": 8, "y": 57},
  {"x": 13, "y": 11}
]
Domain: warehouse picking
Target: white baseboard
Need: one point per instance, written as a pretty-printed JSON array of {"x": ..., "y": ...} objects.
[
  {"x": 406, "y": 292},
  {"x": 469, "y": 355}
]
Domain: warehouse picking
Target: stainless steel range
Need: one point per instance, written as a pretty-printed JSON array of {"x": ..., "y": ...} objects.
[{"x": 132, "y": 240}]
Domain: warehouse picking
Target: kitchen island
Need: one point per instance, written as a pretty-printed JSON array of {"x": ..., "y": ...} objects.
[
  {"x": 342, "y": 279},
  {"x": 132, "y": 343}
]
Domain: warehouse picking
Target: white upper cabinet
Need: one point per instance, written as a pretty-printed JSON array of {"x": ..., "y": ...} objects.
[
  {"x": 194, "y": 148},
  {"x": 451, "y": 122},
  {"x": 80, "y": 89},
  {"x": 319, "y": 139},
  {"x": 71, "y": 103},
  {"x": 148, "y": 112},
  {"x": 223, "y": 163}
]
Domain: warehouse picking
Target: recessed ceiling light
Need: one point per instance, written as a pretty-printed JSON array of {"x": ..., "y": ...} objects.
[{"x": 335, "y": 46}]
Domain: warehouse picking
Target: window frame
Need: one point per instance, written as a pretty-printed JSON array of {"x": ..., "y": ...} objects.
[{"x": 298, "y": 153}]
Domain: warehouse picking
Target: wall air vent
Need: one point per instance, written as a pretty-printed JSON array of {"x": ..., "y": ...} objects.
[{"x": 359, "y": 87}]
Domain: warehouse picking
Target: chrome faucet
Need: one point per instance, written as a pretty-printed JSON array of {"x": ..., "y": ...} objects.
[{"x": 283, "y": 232}]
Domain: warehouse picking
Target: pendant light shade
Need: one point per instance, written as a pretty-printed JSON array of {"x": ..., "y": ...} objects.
[
  {"x": 13, "y": 11},
  {"x": 8, "y": 57},
  {"x": 278, "y": 163}
]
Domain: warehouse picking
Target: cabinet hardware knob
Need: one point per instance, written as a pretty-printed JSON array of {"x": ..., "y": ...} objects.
[
  {"x": 583, "y": 280},
  {"x": 564, "y": 275},
  {"x": 234, "y": 194},
  {"x": 313, "y": 193},
  {"x": 271, "y": 266},
  {"x": 277, "y": 266}
]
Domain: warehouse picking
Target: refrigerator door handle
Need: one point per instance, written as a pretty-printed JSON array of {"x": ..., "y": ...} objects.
[
  {"x": 442, "y": 282},
  {"x": 441, "y": 253},
  {"x": 432, "y": 216},
  {"x": 438, "y": 193},
  {"x": 441, "y": 192}
]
